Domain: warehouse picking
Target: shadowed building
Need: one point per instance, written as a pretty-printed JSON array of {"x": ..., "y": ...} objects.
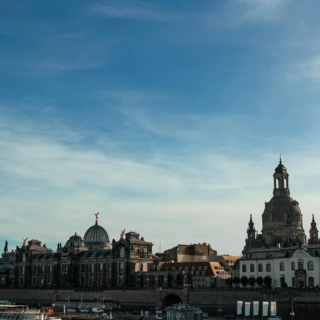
[{"x": 83, "y": 263}]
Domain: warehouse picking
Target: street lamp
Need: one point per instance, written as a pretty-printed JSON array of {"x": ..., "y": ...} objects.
[
  {"x": 219, "y": 310},
  {"x": 292, "y": 313},
  {"x": 107, "y": 297},
  {"x": 54, "y": 300}
]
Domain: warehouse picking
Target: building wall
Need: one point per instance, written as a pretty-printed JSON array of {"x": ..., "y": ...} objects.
[{"x": 276, "y": 274}]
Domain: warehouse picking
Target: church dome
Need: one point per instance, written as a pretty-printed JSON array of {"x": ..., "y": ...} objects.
[
  {"x": 280, "y": 168},
  {"x": 75, "y": 241},
  {"x": 96, "y": 236},
  {"x": 282, "y": 209}
]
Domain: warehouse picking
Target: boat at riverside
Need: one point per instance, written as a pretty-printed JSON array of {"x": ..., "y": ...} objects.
[{"x": 21, "y": 312}]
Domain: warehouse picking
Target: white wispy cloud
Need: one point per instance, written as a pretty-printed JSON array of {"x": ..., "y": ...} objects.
[
  {"x": 236, "y": 13},
  {"x": 139, "y": 10}
]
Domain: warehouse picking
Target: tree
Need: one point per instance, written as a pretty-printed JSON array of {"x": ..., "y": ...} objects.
[
  {"x": 244, "y": 281},
  {"x": 236, "y": 281},
  {"x": 252, "y": 281},
  {"x": 267, "y": 281},
  {"x": 259, "y": 281}
]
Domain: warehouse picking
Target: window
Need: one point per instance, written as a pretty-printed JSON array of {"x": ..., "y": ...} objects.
[
  {"x": 109, "y": 267},
  {"x": 310, "y": 265},
  {"x": 310, "y": 281},
  {"x": 268, "y": 267},
  {"x": 199, "y": 268},
  {"x": 300, "y": 265},
  {"x": 197, "y": 273},
  {"x": 244, "y": 268},
  {"x": 193, "y": 268},
  {"x": 92, "y": 267},
  {"x": 186, "y": 268},
  {"x": 121, "y": 252},
  {"x": 180, "y": 268},
  {"x": 293, "y": 282},
  {"x": 281, "y": 266},
  {"x": 121, "y": 266},
  {"x": 203, "y": 273},
  {"x": 260, "y": 267},
  {"x": 293, "y": 266},
  {"x": 173, "y": 268},
  {"x": 167, "y": 268},
  {"x": 205, "y": 268},
  {"x": 251, "y": 267},
  {"x": 101, "y": 267}
]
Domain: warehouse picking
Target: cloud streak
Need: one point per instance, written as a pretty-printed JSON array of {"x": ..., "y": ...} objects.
[{"x": 134, "y": 10}]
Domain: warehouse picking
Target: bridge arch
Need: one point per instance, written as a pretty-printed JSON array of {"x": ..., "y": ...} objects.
[{"x": 170, "y": 300}]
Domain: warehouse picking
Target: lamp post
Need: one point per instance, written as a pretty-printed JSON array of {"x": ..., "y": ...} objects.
[
  {"x": 54, "y": 299},
  {"x": 107, "y": 297},
  {"x": 292, "y": 313}
]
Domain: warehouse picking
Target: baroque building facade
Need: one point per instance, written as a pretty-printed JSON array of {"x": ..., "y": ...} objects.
[
  {"x": 89, "y": 262},
  {"x": 281, "y": 256}
]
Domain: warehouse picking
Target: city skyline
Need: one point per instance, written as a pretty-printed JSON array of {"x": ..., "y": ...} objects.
[{"x": 167, "y": 118}]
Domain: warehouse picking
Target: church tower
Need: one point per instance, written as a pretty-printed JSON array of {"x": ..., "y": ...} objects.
[
  {"x": 281, "y": 180},
  {"x": 251, "y": 236},
  {"x": 313, "y": 232},
  {"x": 282, "y": 217}
]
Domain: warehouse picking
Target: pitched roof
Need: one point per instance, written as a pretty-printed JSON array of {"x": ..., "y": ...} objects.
[{"x": 204, "y": 268}]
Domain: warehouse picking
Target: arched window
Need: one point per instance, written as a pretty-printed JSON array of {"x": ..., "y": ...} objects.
[
  {"x": 278, "y": 183},
  {"x": 281, "y": 266},
  {"x": 293, "y": 266},
  {"x": 260, "y": 267},
  {"x": 251, "y": 267},
  {"x": 121, "y": 252},
  {"x": 300, "y": 265},
  {"x": 244, "y": 268},
  {"x": 310, "y": 265},
  {"x": 268, "y": 267},
  {"x": 310, "y": 281}
]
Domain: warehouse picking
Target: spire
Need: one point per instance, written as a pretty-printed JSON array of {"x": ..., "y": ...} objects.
[
  {"x": 251, "y": 228},
  {"x": 280, "y": 159},
  {"x": 313, "y": 223},
  {"x": 313, "y": 232}
]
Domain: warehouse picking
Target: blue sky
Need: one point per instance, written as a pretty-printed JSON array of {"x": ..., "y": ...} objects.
[{"x": 166, "y": 116}]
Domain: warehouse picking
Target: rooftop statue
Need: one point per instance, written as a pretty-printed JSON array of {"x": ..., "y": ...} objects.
[
  {"x": 96, "y": 214},
  {"x": 24, "y": 241}
]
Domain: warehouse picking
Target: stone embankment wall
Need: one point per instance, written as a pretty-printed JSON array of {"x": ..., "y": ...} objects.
[{"x": 306, "y": 307}]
